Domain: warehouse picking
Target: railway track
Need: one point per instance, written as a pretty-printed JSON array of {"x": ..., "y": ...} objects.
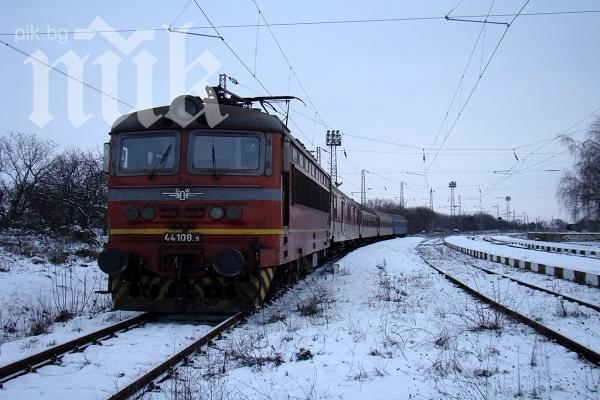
[
  {"x": 534, "y": 287},
  {"x": 526, "y": 284},
  {"x": 147, "y": 381},
  {"x": 54, "y": 354},
  {"x": 584, "y": 351},
  {"x": 140, "y": 384}
]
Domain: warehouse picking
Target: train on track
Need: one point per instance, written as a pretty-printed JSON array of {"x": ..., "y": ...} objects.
[{"x": 211, "y": 202}]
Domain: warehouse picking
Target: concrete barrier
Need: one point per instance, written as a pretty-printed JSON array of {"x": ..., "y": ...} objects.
[
  {"x": 584, "y": 278},
  {"x": 554, "y": 248}
]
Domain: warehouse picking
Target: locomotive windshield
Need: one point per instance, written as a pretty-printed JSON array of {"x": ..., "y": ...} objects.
[
  {"x": 229, "y": 153},
  {"x": 148, "y": 154}
]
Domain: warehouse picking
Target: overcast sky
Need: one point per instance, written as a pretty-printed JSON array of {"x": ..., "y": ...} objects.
[{"x": 388, "y": 81}]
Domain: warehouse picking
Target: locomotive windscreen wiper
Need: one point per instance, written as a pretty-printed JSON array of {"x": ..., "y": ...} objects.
[
  {"x": 160, "y": 161},
  {"x": 214, "y": 160}
]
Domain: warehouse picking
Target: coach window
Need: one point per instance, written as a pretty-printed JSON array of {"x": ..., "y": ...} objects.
[
  {"x": 156, "y": 153},
  {"x": 334, "y": 207}
]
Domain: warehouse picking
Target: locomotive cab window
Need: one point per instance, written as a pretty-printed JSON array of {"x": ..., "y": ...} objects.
[
  {"x": 147, "y": 153},
  {"x": 227, "y": 153}
]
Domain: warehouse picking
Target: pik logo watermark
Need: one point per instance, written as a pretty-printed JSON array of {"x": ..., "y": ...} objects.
[
  {"x": 120, "y": 50},
  {"x": 31, "y": 32}
]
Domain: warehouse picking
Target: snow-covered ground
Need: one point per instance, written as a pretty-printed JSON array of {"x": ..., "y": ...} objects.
[
  {"x": 382, "y": 325},
  {"x": 41, "y": 279},
  {"x": 48, "y": 294},
  {"x": 584, "y": 264}
]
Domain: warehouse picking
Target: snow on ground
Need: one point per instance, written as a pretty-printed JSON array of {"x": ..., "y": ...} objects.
[
  {"x": 47, "y": 295},
  {"x": 41, "y": 278},
  {"x": 584, "y": 264},
  {"x": 381, "y": 325}
]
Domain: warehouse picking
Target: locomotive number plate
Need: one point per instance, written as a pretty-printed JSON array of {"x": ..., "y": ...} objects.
[{"x": 181, "y": 237}]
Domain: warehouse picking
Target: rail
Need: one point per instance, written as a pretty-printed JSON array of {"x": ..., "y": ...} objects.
[
  {"x": 551, "y": 334},
  {"x": 53, "y": 354},
  {"x": 148, "y": 378}
]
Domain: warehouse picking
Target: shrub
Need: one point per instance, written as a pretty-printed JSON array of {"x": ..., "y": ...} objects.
[
  {"x": 303, "y": 354},
  {"x": 40, "y": 318}
]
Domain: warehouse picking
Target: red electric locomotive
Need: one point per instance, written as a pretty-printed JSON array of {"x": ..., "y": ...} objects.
[{"x": 206, "y": 198}]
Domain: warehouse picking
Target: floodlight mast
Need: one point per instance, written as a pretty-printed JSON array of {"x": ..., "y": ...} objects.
[
  {"x": 333, "y": 139},
  {"x": 452, "y": 186}
]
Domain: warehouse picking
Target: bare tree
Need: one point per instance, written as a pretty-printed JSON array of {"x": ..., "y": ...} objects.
[
  {"x": 24, "y": 160},
  {"x": 72, "y": 196},
  {"x": 579, "y": 189}
]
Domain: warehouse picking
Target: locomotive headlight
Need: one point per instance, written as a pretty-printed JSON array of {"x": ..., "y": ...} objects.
[
  {"x": 216, "y": 213},
  {"x": 234, "y": 212},
  {"x": 112, "y": 261},
  {"x": 131, "y": 213},
  {"x": 148, "y": 213}
]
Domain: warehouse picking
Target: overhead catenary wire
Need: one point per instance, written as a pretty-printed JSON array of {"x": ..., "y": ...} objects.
[
  {"x": 454, "y": 8},
  {"x": 462, "y": 152},
  {"x": 462, "y": 78},
  {"x": 313, "y": 23},
  {"x": 494, "y": 183},
  {"x": 513, "y": 171},
  {"x": 69, "y": 76},
  {"x": 241, "y": 61},
  {"x": 483, "y": 172},
  {"x": 420, "y": 148},
  {"x": 256, "y": 43},
  {"x": 498, "y": 184},
  {"x": 231, "y": 49},
  {"x": 477, "y": 82},
  {"x": 287, "y": 60},
  {"x": 180, "y": 13}
]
